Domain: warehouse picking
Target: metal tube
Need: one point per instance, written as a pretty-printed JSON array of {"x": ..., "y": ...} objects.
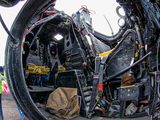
[
  {"x": 36, "y": 35},
  {"x": 124, "y": 70}
]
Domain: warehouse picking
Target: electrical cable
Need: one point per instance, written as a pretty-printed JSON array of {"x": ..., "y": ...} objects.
[
  {"x": 109, "y": 25},
  {"x": 102, "y": 110},
  {"x": 51, "y": 12},
  {"x": 46, "y": 77},
  {"x": 39, "y": 81},
  {"x": 43, "y": 20},
  {"x": 34, "y": 80}
]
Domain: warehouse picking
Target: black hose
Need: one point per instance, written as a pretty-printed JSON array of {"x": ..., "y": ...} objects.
[
  {"x": 124, "y": 70},
  {"x": 142, "y": 48},
  {"x": 6, "y": 29},
  {"x": 154, "y": 98},
  {"x": 117, "y": 11},
  {"x": 158, "y": 56},
  {"x": 158, "y": 87},
  {"x": 140, "y": 40},
  {"x": 113, "y": 38}
]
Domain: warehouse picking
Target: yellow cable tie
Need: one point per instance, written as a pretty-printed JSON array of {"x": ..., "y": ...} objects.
[
  {"x": 105, "y": 53},
  {"x": 141, "y": 47},
  {"x": 136, "y": 56},
  {"x": 66, "y": 23},
  {"x": 144, "y": 62}
]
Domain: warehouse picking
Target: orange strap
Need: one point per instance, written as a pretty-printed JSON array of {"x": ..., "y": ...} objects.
[
  {"x": 144, "y": 62},
  {"x": 141, "y": 47}
]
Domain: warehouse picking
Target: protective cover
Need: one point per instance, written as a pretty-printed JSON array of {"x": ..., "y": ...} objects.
[{"x": 64, "y": 103}]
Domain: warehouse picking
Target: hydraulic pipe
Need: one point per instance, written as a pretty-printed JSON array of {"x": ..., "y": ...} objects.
[
  {"x": 111, "y": 38},
  {"x": 126, "y": 69}
]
